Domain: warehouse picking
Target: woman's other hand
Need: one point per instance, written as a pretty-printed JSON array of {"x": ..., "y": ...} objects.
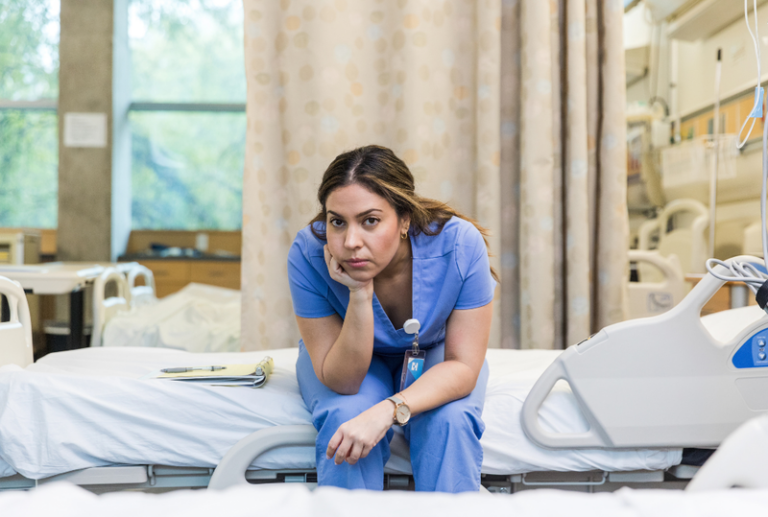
[
  {"x": 338, "y": 273},
  {"x": 355, "y": 439}
]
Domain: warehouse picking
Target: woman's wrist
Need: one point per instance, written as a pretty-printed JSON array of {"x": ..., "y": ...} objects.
[
  {"x": 386, "y": 409},
  {"x": 361, "y": 294}
]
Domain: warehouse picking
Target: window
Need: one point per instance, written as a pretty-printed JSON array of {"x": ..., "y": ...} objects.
[
  {"x": 29, "y": 70},
  {"x": 187, "y": 113}
]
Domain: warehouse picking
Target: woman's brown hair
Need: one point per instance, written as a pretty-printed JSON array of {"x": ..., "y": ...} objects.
[{"x": 380, "y": 171}]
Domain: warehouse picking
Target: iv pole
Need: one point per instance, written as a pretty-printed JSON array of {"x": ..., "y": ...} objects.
[{"x": 716, "y": 146}]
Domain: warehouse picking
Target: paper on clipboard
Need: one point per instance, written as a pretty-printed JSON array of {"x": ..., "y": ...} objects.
[{"x": 249, "y": 375}]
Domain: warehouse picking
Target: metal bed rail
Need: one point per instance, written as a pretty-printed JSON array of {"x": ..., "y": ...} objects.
[
  {"x": 233, "y": 471},
  {"x": 154, "y": 478}
]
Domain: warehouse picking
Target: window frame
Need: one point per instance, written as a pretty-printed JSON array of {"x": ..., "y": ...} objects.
[{"x": 140, "y": 105}]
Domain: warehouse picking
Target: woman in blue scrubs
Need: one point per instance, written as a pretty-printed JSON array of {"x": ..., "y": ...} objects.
[{"x": 375, "y": 256}]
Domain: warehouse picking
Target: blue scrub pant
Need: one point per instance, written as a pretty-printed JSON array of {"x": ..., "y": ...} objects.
[{"x": 446, "y": 455}]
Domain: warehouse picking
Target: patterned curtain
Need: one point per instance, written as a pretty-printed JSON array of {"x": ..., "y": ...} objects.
[
  {"x": 418, "y": 76},
  {"x": 563, "y": 171}
]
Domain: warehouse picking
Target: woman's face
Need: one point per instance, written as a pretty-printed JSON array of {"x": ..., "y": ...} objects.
[{"x": 363, "y": 231}]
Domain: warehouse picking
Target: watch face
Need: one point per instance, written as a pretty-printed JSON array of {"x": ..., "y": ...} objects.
[{"x": 403, "y": 413}]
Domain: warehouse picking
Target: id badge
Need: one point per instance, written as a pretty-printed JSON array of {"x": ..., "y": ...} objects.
[{"x": 413, "y": 367}]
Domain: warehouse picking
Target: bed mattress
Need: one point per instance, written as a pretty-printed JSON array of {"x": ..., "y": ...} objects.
[{"x": 89, "y": 407}]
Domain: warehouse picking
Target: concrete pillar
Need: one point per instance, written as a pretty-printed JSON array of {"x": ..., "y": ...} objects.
[{"x": 90, "y": 226}]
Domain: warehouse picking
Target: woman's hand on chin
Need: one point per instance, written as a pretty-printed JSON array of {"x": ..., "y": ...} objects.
[
  {"x": 355, "y": 439},
  {"x": 338, "y": 273}
]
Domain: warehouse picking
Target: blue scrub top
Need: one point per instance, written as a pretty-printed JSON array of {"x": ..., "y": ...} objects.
[{"x": 450, "y": 271}]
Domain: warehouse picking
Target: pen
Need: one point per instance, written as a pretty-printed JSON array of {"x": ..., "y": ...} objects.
[{"x": 193, "y": 368}]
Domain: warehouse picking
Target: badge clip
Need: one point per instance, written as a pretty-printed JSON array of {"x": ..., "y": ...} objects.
[{"x": 413, "y": 364}]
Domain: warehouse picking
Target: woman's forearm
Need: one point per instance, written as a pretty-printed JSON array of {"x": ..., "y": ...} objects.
[
  {"x": 348, "y": 360},
  {"x": 443, "y": 383}
]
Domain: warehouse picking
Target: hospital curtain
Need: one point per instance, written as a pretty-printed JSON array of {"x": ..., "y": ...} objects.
[
  {"x": 563, "y": 171},
  {"x": 418, "y": 76}
]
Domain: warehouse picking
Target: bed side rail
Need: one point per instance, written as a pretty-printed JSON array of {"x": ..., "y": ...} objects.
[
  {"x": 533, "y": 402},
  {"x": 231, "y": 470},
  {"x": 16, "y": 334},
  {"x": 626, "y": 333},
  {"x": 142, "y": 294},
  {"x": 105, "y": 308}
]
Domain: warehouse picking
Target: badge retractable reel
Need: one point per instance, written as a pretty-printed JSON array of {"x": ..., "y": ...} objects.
[{"x": 413, "y": 364}]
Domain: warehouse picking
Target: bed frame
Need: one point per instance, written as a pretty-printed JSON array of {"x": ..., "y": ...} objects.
[{"x": 233, "y": 471}]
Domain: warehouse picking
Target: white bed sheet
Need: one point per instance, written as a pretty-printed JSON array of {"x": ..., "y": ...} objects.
[
  {"x": 199, "y": 318},
  {"x": 87, "y": 408},
  {"x": 64, "y": 500}
]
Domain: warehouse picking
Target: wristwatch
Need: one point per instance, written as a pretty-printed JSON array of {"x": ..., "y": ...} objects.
[{"x": 402, "y": 411}]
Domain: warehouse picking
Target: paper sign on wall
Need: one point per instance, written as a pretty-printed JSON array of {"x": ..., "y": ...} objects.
[{"x": 85, "y": 130}]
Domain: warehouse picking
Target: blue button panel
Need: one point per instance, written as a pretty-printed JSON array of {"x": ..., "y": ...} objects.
[{"x": 754, "y": 352}]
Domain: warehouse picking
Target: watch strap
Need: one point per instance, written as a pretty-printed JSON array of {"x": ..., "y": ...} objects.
[{"x": 397, "y": 402}]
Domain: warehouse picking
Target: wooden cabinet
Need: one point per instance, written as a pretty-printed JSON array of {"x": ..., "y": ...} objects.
[
  {"x": 173, "y": 275},
  {"x": 169, "y": 270},
  {"x": 224, "y": 274}
]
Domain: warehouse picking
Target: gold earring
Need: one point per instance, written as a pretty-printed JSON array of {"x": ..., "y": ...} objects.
[{"x": 404, "y": 235}]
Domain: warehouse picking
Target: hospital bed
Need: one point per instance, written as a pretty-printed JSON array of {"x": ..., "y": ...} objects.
[
  {"x": 649, "y": 297},
  {"x": 114, "y": 430},
  {"x": 686, "y": 238}
]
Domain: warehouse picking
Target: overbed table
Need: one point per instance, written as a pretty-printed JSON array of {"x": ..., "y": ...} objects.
[{"x": 59, "y": 278}]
